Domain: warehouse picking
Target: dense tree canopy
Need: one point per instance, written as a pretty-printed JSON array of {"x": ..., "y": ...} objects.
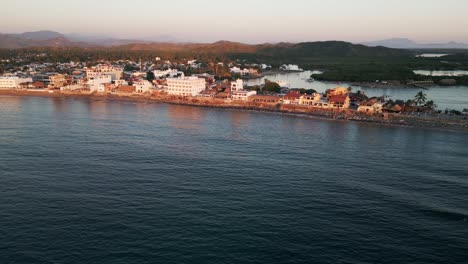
[{"x": 271, "y": 86}]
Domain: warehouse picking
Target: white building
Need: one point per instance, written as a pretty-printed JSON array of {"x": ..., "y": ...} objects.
[
  {"x": 120, "y": 83},
  {"x": 237, "y": 70},
  {"x": 96, "y": 81},
  {"x": 290, "y": 67},
  {"x": 143, "y": 86},
  {"x": 101, "y": 88},
  {"x": 170, "y": 72},
  {"x": 185, "y": 86},
  {"x": 238, "y": 85},
  {"x": 114, "y": 72},
  {"x": 370, "y": 107},
  {"x": 242, "y": 95},
  {"x": 12, "y": 82}
]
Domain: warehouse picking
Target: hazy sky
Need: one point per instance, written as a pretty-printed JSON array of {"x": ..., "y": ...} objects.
[{"x": 249, "y": 21}]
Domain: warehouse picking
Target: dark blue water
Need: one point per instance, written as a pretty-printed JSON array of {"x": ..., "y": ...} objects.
[{"x": 112, "y": 182}]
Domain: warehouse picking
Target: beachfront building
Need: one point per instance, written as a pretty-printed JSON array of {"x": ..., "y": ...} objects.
[
  {"x": 105, "y": 87},
  {"x": 13, "y": 82},
  {"x": 115, "y": 72},
  {"x": 242, "y": 95},
  {"x": 57, "y": 81},
  {"x": 311, "y": 99},
  {"x": 42, "y": 77},
  {"x": 185, "y": 86},
  {"x": 264, "y": 99},
  {"x": 94, "y": 82},
  {"x": 321, "y": 104},
  {"x": 293, "y": 97},
  {"x": 370, "y": 107},
  {"x": 339, "y": 101},
  {"x": 120, "y": 83},
  {"x": 143, "y": 86},
  {"x": 238, "y": 85}
]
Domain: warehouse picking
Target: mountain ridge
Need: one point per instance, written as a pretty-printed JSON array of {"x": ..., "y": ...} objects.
[
  {"x": 405, "y": 43},
  {"x": 47, "y": 38}
]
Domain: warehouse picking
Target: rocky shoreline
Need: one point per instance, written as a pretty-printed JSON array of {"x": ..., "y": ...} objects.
[{"x": 432, "y": 121}]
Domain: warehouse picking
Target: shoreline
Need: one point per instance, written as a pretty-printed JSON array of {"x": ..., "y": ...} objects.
[{"x": 437, "y": 122}]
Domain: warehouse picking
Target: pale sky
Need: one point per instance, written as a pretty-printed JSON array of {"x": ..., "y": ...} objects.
[{"x": 249, "y": 21}]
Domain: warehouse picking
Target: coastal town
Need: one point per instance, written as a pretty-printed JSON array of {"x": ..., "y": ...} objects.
[{"x": 170, "y": 82}]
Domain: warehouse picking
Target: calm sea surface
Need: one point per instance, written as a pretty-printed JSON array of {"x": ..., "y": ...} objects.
[
  {"x": 451, "y": 97},
  {"x": 112, "y": 182}
]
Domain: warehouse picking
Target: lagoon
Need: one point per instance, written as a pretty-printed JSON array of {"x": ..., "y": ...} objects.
[{"x": 451, "y": 97}]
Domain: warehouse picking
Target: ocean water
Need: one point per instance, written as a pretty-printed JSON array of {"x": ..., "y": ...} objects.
[{"x": 85, "y": 181}]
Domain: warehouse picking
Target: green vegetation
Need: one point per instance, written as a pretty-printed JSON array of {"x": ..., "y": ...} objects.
[
  {"x": 271, "y": 86},
  {"x": 307, "y": 91},
  {"x": 150, "y": 76},
  {"x": 452, "y": 112},
  {"x": 340, "y": 61},
  {"x": 366, "y": 73},
  {"x": 430, "y": 104},
  {"x": 420, "y": 98}
]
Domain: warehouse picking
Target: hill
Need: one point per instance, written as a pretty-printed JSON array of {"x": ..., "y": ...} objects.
[
  {"x": 38, "y": 39},
  {"x": 40, "y": 35},
  {"x": 403, "y": 43}
]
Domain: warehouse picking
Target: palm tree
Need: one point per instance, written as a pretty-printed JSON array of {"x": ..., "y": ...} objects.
[
  {"x": 430, "y": 104},
  {"x": 420, "y": 98}
]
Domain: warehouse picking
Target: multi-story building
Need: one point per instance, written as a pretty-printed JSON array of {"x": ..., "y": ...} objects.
[
  {"x": 242, "y": 95},
  {"x": 310, "y": 99},
  {"x": 12, "y": 82},
  {"x": 237, "y": 85},
  {"x": 292, "y": 97},
  {"x": 94, "y": 82},
  {"x": 121, "y": 83},
  {"x": 186, "y": 86},
  {"x": 114, "y": 72},
  {"x": 339, "y": 101},
  {"x": 57, "y": 80},
  {"x": 143, "y": 86},
  {"x": 370, "y": 107}
]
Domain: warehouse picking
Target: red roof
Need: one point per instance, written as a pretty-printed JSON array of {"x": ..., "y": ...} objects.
[
  {"x": 338, "y": 98},
  {"x": 292, "y": 95}
]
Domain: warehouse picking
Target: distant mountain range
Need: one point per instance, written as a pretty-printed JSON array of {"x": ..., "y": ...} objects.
[
  {"x": 38, "y": 39},
  {"x": 46, "y": 38},
  {"x": 403, "y": 43}
]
